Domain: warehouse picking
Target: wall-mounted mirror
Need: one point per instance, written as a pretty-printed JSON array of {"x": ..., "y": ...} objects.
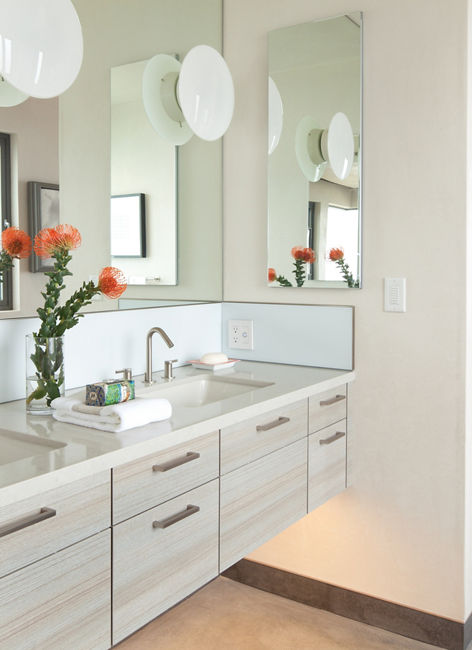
[
  {"x": 143, "y": 226},
  {"x": 117, "y": 34},
  {"x": 314, "y": 157}
]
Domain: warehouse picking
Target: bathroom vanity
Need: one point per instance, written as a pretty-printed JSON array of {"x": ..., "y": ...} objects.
[{"x": 103, "y": 532}]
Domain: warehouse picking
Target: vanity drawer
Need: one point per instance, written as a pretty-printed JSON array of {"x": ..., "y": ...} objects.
[
  {"x": 149, "y": 481},
  {"x": 62, "y": 601},
  {"x": 254, "y": 438},
  {"x": 260, "y": 499},
  {"x": 163, "y": 555},
  {"x": 326, "y": 464},
  {"x": 327, "y": 408},
  {"x": 44, "y": 523}
]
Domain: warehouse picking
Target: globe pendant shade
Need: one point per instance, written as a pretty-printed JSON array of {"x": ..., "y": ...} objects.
[{"x": 41, "y": 45}]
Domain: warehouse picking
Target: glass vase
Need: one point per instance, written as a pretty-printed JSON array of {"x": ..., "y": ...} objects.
[{"x": 44, "y": 372}]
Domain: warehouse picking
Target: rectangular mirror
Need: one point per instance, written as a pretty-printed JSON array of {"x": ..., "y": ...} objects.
[
  {"x": 144, "y": 176},
  {"x": 314, "y": 162},
  {"x": 184, "y": 226}
]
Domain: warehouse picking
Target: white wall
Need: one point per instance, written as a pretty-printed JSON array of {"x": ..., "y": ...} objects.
[{"x": 398, "y": 534}]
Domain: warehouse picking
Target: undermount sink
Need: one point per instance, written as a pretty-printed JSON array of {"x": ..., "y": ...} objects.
[
  {"x": 18, "y": 446},
  {"x": 201, "y": 390}
]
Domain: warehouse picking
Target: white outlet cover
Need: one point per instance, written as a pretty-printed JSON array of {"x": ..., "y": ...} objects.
[{"x": 240, "y": 334}]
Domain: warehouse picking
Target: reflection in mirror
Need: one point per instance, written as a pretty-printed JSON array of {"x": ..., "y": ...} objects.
[
  {"x": 116, "y": 34},
  {"x": 143, "y": 165},
  {"x": 6, "y": 301},
  {"x": 314, "y": 172},
  {"x": 32, "y": 127}
]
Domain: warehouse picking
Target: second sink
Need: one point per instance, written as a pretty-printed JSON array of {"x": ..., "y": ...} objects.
[{"x": 18, "y": 446}]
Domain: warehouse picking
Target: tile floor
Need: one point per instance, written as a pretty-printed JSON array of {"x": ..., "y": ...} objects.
[{"x": 227, "y": 615}]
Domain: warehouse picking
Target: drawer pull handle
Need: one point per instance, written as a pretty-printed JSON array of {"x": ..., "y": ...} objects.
[
  {"x": 272, "y": 425},
  {"x": 173, "y": 519},
  {"x": 24, "y": 522},
  {"x": 176, "y": 462},
  {"x": 337, "y": 435},
  {"x": 332, "y": 400}
]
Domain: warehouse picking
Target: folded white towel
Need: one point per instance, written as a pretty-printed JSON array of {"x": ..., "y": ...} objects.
[{"x": 116, "y": 417}]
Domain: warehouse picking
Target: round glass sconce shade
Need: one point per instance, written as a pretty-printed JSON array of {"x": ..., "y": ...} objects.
[
  {"x": 160, "y": 100},
  {"x": 41, "y": 45},
  {"x": 276, "y": 115},
  {"x": 337, "y": 145},
  {"x": 205, "y": 92},
  {"x": 10, "y": 96}
]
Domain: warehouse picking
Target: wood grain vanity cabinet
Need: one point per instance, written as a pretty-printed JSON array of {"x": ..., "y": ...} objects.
[
  {"x": 128, "y": 545},
  {"x": 165, "y": 541},
  {"x": 262, "y": 497},
  {"x": 256, "y": 437},
  {"x": 49, "y": 521},
  {"x": 55, "y": 592},
  {"x": 326, "y": 464},
  {"x": 153, "y": 479},
  {"x": 163, "y": 555},
  {"x": 327, "y": 446}
]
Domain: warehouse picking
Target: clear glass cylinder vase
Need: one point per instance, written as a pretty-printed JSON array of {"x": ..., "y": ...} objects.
[{"x": 44, "y": 372}]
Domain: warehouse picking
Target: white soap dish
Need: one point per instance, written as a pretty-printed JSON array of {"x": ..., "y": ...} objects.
[{"x": 196, "y": 363}]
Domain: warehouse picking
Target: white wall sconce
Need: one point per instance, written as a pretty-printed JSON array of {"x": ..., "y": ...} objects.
[
  {"x": 276, "y": 116},
  {"x": 316, "y": 148},
  {"x": 41, "y": 46},
  {"x": 195, "y": 97}
]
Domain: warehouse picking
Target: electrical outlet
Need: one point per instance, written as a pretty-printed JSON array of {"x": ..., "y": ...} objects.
[{"x": 240, "y": 334}]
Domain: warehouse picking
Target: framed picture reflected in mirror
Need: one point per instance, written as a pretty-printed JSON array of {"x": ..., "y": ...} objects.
[
  {"x": 43, "y": 212},
  {"x": 128, "y": 225}
]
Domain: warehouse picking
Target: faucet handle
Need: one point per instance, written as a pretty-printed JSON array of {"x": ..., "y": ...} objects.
[
  {"x": 168, "y": 369},
  {"x": 127, "y": 373}
]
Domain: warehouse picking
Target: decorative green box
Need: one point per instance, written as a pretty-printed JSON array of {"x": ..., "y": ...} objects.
[{"x": 105, "y": 393}]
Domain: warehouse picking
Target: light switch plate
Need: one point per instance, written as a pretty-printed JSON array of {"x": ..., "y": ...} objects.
[{"x": 395, "y": 294}]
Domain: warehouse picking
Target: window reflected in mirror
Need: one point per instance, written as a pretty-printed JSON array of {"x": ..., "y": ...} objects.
[
  {"x": 314, "y": 157},
  {"x": 6, "y": 299}
]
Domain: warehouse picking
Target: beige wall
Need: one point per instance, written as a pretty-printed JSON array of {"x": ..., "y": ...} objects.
[
  {"x": 35, "y": 157},
  {"x": 398, "y": 533}
]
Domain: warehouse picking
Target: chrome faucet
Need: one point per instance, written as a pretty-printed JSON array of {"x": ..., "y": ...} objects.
[{"x": 154, "y": 330}]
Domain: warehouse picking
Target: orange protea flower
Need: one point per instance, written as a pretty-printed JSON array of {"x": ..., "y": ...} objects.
[
  {"x": 336, "y": 254},
  {"x": 297, "y": 252},
  {"x": 16, "y": 243},
  {"x": 271, "y": 274},
  {"x": 304, "y": 254},
  {"x": 112, "y": 282},
  {"x": 309, "y": 255},
  {"x": 62, "y": 238}
]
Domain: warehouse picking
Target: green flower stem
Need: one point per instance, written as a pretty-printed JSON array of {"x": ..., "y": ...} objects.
[
  {"x": 300, "y": 272},
  {"x": 55, "y": 320},
  {"x": 6, "y": 263},
  {"x": 283, "y": 281},
  {"x": 346, "y": 273},
  {"x": 51, "y": 295},
  {"x": 67, "y": 315}
]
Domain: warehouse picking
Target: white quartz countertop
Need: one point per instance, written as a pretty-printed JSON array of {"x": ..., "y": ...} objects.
[{"x": 88, "y": 450}]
